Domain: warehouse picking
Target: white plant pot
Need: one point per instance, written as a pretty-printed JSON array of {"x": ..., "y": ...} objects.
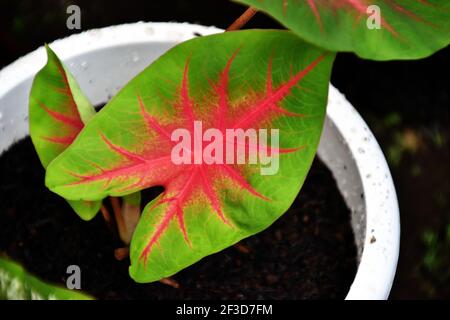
[{"x": 103, "y": 60}]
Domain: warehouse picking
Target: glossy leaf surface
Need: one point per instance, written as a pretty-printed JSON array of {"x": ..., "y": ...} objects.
[
  {"x": 247, "y": 80},
  {"x": 58, "y": 111},
  {"x": 373, "y": 29}
]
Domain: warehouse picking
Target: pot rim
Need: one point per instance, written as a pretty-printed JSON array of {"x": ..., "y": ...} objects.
[
  {"x": 379, "y": 257},
  {"x": 378, "y": 200}
]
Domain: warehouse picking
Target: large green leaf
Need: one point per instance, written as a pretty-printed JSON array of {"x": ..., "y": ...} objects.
[
  {"x": 17, "y": 284},
  {"x": 409, "y": 29},
  {"x": 58, "y": 111},
  {"x": 242, "y": 80}
]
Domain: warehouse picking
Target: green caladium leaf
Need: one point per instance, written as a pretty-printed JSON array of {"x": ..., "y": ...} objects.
[
  {"x": 373, "y": 29},
  {"x": 58, "y": 111},
  {"x": 267, "y": 84},
  {"x": 17, "y": 284}
]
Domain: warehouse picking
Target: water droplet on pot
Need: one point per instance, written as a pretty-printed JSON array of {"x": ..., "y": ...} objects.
[
  {"x": 1, "y": 115},
  {"x": 135, "y": 57},
  {"x": 84, "y": 65}
]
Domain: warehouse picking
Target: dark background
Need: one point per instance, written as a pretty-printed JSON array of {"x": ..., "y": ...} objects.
[{"x": 405, "y": 103}]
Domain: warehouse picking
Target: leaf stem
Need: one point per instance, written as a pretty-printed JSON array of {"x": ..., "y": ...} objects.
[
  {"x": 105, "y": 213},
  {"x": 120, "y": 222},
  {"x": 127, "y": 216},
  {"x": 115, "y": 204},
  {"x": 242, "y": 248},
  {"x": 121, "y": 253},
  {"x": 107, "y": 217},
  {"x": 170, "y": 282},
  {"x": 242, "y": 20}
]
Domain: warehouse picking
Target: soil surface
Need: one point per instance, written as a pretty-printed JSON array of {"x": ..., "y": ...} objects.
[{"x": 308, "y": 253}]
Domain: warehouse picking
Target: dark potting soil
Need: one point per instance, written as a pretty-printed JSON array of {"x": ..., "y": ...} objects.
[{"x": 308, "y": 253}]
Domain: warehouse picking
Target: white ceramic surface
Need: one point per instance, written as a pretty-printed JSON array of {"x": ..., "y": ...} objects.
[{"x": 103, "y": 60}]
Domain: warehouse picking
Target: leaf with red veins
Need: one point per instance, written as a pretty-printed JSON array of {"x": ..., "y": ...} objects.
[
  {"x": 357, "y": 8},
  {"x": 221, "y": 90},
  {"x": 175, "y": 205},
  {"x": 269, "y": 103},
  {"x": 57, "y": 112},
  {"x": 239, "y": 80},
  {"x": 313, "y": 6},
  {"x": 65, "y": 141},
  {"x": 236, "y": 176},
  {"x": 152, "y": 123},
  {"x": 199, "y": 174},
  {"x": 373, "y": 29}
]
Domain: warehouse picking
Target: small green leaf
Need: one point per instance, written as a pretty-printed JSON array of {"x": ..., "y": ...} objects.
[
  {"x": 17, "y": 284},
  {"x": 373, "y": 29},
  {"x": 58, "y": 111},
  {"x": 247, "y": 80}
]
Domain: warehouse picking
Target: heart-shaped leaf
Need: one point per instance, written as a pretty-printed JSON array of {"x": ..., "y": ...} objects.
[
  {"x": 156, "y": 132},
  {"x": 373, "y": 29},
  {"x": 58, "y": 110}
]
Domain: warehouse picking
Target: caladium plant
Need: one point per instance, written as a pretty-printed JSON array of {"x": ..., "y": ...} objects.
[
  {"x": 58, "y": 111},
  {"x": 373, "y": 29},
  {"x": 227, "y": 124},
  {"x": 213, "y": 82}
]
